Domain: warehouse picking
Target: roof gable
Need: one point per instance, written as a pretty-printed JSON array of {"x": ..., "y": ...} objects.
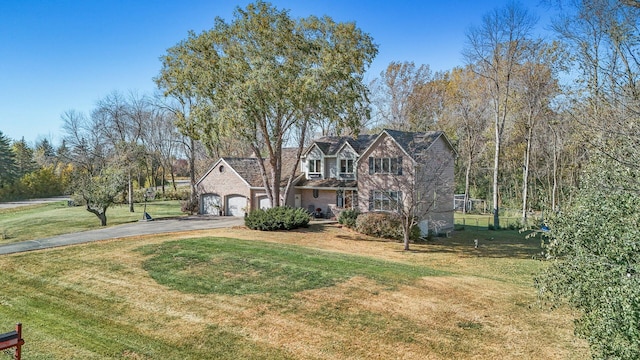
[{"x": 414, "y": 144}]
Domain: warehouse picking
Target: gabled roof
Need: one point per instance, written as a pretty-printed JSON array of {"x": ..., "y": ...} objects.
[
  {"x": 331, "y": 145},
  {"x": 414, "y": 144},
  {"x": 248, "y": 169}
]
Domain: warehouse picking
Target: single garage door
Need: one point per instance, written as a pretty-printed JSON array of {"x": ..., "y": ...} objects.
[
  {"x": 210, "y": 204},
  {"x": 236, "y": 205}
]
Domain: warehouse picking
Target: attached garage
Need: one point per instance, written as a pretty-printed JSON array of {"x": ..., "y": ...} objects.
[
  {"x": 236, "y": 205},
  {"x": 210, "y": 204}
]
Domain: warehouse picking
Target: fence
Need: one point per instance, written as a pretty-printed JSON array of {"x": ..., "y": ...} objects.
[{"x": 486, "y": 222}]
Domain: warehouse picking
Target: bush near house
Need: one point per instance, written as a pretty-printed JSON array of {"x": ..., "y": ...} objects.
[
  {"x": 277, "y": 218},
  {"x": 348, "y": 218},
  {"x": 383, "y": 225}
]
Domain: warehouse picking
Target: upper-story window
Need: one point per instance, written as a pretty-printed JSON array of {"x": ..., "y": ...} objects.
[
  {"x": 385, "y": 165},
  {"x": 346, "y": 166},
  {"x": 315, "y": 166}
]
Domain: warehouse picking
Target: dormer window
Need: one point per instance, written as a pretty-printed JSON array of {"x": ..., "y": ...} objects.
[
  {"x": 346, "y": 166},
  {"x": 315, "y": 166}
]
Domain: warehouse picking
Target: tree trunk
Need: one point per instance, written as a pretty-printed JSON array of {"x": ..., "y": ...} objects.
[
  {"x": 555, "y": 174},
  {"x": 192, "y": 169},
  {"x": 130, "y": 189},
  {"x": 525, "y": 176},
  {"x": 101, "y": 215},
  {"x": 467, "y": 174},
  {"x": 173, "y": 178},
  {"x": 496, "y": 163},
  {"x": 406, "y": 224}
]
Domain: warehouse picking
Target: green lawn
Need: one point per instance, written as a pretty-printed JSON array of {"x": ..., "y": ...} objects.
[
  {"x": 319, "y": 293},
  {"x": 41, "y": 221}
]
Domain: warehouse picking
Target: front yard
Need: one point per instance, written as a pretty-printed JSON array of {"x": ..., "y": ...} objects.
[{"x": 318, "y": 293}]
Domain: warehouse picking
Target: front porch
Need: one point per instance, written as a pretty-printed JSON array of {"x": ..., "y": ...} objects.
[{"x": 326, "y": 198}]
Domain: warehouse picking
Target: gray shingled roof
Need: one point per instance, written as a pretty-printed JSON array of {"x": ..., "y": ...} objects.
[
  {"x": 249, "y": 168},
  {"x": 331, "y": 144},
  {"x": 327, "y": 183},
  {"x": 414, "y": 143}
]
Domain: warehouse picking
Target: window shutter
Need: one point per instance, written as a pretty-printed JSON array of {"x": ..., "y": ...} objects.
[
  {"x": 400, "y": 201},
  {"x": 370, "y": 199},
  {"x": 370, "y": 165},
  {"x": 399, "y": 165}
]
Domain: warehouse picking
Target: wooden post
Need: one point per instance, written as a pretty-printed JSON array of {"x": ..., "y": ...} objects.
[{"x": 13, "y": 339}]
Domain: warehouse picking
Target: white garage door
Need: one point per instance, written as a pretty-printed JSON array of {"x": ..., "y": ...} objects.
[
  {"x": 236, "y": 205},
  {"x": 264, "y": 203},
  {"x": 210, "y": 204}
]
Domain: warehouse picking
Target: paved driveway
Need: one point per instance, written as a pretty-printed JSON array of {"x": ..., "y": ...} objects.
[
  {"x": 15, "y": 204},
  {"x": 125, "y": 230}
]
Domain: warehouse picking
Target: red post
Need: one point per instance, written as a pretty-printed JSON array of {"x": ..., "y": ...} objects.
[
  {"x": 18, "y": 352},
  {"x": 13, "y": 339}
]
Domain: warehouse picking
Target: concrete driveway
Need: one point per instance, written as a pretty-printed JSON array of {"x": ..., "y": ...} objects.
[{"x": 132, "y": 229}]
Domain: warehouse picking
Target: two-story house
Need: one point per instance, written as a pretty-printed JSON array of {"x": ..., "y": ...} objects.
[{"x": 410, "y": 172}]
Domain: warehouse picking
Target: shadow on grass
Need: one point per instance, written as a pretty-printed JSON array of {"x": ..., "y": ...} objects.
[{"x": 490, "y": 243}]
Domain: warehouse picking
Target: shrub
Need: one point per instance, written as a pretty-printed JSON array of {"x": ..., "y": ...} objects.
[
  {"x": 277, "y": 218},
  {"x": 190, "y": 206},
  {"x": 383, "y": 225},
  {"x": 348, "y": 218}
]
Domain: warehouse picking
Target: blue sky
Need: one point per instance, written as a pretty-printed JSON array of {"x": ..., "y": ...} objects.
[{"x": 57, "y": 55}]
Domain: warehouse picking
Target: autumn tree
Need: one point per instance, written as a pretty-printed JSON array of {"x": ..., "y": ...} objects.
[
  {"x": 494, "y": 51},
  {"x": 467, "y": 105},
  {"x": 536, "y": 87},
  {"x": 97, "y": 178},
  {"x": 392, "y": 93},
  {"x": 265, "y": 75}
]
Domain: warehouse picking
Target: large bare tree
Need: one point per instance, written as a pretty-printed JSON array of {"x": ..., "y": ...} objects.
[{"x": 494, "y": 51}]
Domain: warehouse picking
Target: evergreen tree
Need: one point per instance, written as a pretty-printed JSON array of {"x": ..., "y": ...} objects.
[
  {"x": 8, "y": 167},
  {"x": 24, "y": 157}
]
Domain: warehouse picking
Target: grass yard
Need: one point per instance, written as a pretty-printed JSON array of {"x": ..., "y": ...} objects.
[
  {"x": 45, "y": 220},
  {"x": 318, "y": 293}
]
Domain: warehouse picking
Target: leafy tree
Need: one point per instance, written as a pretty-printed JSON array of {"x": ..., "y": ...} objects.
[
  {"x": 469, "y": 110},
  {"x": 96, "y": 177},
  {"x": 266, "y": 77},
  {"x": 7, "y": 162},
  {"x": 536, "y": 86},
  {"x": 594, "y": 249},
  {"x": 99, "y": 191}
]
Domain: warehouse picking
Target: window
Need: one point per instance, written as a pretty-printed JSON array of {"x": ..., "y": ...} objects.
[
  {"x": 346, "y": 166},
  {"x": 385, "y": 165},
  {"x": 384, "y": 200},
  {"x": 315, "y": 166},
  {"x": 347, "y": 199}
]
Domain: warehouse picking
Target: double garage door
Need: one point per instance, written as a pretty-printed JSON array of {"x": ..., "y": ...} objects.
[{"x": 211, "y": 205}]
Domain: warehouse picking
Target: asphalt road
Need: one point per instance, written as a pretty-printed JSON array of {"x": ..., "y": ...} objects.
[
  {"x": 125, "y": 230},
  {"x": 15, "y": 204}
]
